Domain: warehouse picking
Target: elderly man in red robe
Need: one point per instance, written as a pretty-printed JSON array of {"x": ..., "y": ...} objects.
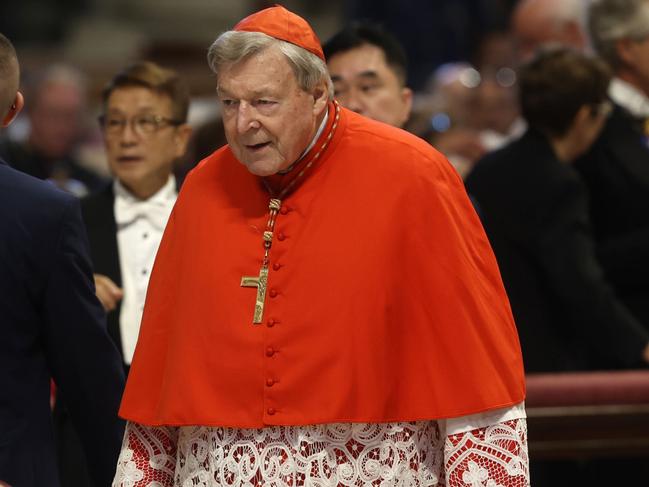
[{"x": 325, "y": 308}]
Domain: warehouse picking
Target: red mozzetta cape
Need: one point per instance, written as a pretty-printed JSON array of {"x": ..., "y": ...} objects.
[{"x": 384, "y": 299}]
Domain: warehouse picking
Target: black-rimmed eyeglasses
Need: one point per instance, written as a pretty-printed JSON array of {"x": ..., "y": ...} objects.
[{"x": 141, "y": 124}]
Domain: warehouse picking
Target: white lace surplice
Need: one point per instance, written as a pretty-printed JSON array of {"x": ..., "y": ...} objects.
[{"x": 484, "y": 450}]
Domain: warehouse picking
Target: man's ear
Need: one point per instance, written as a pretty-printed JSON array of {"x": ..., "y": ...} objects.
[
  {"x": 320, "y": 99},
  {"x": 181, "y": 137},
  {"x": 584, "y": 114},
  {"x": 15, "y": 108},
  {"x": 406, "y": 97},
  {"x": 625, "y": 50}
]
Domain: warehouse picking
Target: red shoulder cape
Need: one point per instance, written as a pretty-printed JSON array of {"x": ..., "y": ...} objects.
[{"x": 385, "y": 302}]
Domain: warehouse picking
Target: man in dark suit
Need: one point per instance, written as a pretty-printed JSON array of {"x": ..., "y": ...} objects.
[
  {"x": 51, "y": 325},
  {"x": 616, "y": 170},
  {"x": 535, "y": 211}
]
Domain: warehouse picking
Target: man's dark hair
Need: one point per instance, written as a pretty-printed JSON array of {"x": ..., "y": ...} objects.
[
  {"x": 358, "y": 34},
  {"x": 556, "y": 84},
  {"x": 156, "y": 78}
]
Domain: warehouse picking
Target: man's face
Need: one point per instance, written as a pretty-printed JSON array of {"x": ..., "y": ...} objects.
[
  {"x": 635, "y": 57},
  {"x": 140, "y": 153},
  {"x": 268, "y": 119},
  {"x": 364, "y": 83},
  {"x": 56, "y": 118},
  {"x": 536, "y": 25}
]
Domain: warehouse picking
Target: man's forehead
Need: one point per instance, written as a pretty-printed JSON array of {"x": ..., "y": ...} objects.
[
  {"x": 361, "y": 58},
  {"x": 249, "y": 91},
  {"x": 363, "y": 63},
  {"x": 366, "y": 75},
  {"x": 260, "y": 73},
  {"x": 134, "y": 97}
]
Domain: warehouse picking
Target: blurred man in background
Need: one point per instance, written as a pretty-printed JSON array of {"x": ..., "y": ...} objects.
[
  {"x": 368, "y": 68},
  {"x": 145, "y": 131},
  {"x": 616, "y": 170},
  {"x": 55, "y": 112},
  {"x": 548, "y": 22}
]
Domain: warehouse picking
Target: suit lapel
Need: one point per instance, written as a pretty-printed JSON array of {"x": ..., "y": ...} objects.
[{"x": 99, "y": 215}]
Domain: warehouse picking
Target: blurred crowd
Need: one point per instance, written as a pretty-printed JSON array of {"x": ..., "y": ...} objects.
[{"x": 546, "y": 120}]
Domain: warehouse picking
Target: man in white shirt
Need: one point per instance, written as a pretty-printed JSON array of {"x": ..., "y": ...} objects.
[
  {"x": 144, "y": 125},
  {"x": 145, "y": 131}
]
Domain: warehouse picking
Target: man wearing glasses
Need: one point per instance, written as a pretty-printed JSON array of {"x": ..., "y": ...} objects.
[
  {"x": 145, "y": 131},
  {"x": 144, "y": 126}
]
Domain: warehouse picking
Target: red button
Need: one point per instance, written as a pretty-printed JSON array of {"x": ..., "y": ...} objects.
[
  {"x": 281, "y": 237},
  {"x": 276, "y": 266},
  {"x": 270, "y": 352},
  {"x": 273, "y": 293},
  {"x": 270, "y": 411},
  {"x": 283, "y": 210},
  {"x": 270, "y": 382},
  {"x": 270, "y": 323}
]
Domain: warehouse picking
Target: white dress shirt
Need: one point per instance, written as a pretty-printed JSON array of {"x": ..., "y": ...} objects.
[
  {"x": 140, "y": 224},
  {"x": 629, "y": 97}
]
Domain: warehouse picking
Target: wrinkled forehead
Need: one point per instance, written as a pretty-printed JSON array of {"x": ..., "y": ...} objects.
[{"x": 265, "y": 70}]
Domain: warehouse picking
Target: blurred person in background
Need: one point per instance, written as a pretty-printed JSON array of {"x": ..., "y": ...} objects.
[
  {"x": 51, "y": 325},
  {"x": 538, "y": 23},
  {"x": 449, "y": 107},
  {"x": 145, "y": 131},
  {"x": 55, "y": 112},
  {"x": 616, "y": 170},
  {"x": 368, "y": 67},
  {"x": 535, "y": 210}
]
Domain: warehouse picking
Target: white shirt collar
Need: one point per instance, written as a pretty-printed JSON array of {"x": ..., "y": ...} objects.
[
  {"x": 128, "y": 208},
  {"x": 629, "y": 97},
  {"x": 163, "y": 195}
]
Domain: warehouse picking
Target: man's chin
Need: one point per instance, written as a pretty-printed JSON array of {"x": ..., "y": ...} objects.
[{"x": 262, "y": 168}]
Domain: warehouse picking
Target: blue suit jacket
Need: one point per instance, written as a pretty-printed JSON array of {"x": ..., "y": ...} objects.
[{"x": 51, "y": 326}]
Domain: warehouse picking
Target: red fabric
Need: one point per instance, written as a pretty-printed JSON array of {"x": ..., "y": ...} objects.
[
  {"x": 282, "y": 24},
  {"x": 382, "y": 285}
]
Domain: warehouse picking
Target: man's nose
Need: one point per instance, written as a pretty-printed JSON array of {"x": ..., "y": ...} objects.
[
  {"x": 128, "y": 135},
  {"x": 246, "y": 118}
]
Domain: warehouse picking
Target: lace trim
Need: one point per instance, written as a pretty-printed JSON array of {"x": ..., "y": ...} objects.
[
  {"x": 385, "y": 455},
  {"x": 495, "y": 456}
]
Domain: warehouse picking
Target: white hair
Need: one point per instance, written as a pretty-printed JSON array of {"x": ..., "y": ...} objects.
[
  {"x": 232, "y": 47},
  {"x": 612, "y": 20}
]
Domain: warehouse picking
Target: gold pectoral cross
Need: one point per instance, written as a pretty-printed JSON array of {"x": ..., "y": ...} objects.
[{"x": 260, "y": 284}]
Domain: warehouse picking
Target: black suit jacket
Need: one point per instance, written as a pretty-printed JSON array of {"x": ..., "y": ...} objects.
[
  {"x": 99, "y": 216},
  {"x": 52, "y": 325},
  {"x": 535, "y": 212},
  {"x": 616, "y": 173}
]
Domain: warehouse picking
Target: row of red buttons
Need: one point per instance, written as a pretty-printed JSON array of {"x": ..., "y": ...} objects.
[{"x": 270, "y": 351}]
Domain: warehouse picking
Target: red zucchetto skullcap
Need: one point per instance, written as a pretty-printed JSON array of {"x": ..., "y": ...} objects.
[{"x": 281, "y": 24}]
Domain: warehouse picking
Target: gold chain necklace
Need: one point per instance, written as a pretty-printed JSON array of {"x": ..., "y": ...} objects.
[{"x": 261, "y": 281}]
